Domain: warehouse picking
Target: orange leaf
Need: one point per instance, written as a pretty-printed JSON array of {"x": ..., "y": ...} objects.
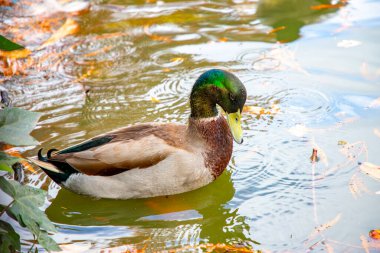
[
  {"x": 69, "y": 27},
  {"x": 375, "y": 234},
  {"x": 326, "y": 6},
  {"x": 280, "y": 28},
  {"x": 15, "y": 54}
]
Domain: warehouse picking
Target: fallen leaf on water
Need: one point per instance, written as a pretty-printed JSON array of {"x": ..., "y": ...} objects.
[
  {"x": 371, "y": 169},
  {"x": 224, "y": 39},
  {"x": 280, "y": 28},
  {"x": 376, "y": 132},
  {"x": 357, "y": 186},
  {"x": 341, "y": 143},
  {"x": 364, "y": 243},
  {"x": 375, "y": 234},
  {"x": 325, "y": 226},
  {"x": 156, "y": 37},
  {"x": 155, "y": 100},
  {"x": 321, "y": 153},
  {"x": 68, "y": 28},
  {"x": 257, "y": 110},
  {"x": 314, "y": 156},
  {"x": 327, "y": 6}
]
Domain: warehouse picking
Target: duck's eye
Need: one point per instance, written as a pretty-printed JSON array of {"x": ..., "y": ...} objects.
[{"x": 232, "y": 97}]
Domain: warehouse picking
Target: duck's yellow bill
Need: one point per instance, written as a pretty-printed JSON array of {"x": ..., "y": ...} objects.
[{"x": 233, "y": 120}]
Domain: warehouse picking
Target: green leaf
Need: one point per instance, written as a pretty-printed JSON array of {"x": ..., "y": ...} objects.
[
  {"x": 15, "y": 126},
  {"x": 9, "y": 239},
  {"x": 45, "y": 241},
  {"x": 7, "y": 45},
  {"x": 5, "y": 167},
  {"x": 25, "y": 209},
  {"x": 6, "y": 162}
]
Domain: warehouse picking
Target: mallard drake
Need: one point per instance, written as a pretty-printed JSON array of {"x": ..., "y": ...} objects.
[{"x": 151, "y": 159}]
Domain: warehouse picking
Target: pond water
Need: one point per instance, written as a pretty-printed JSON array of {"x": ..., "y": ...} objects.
[{"x": 311, "y": 67}]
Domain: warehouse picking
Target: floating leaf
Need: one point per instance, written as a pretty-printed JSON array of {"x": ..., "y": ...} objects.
[
  {"x": 357, "y": 186},
  {"x": 257, "y": 110},
  {"x": 25, "y": 208},
  {"x": 314, "y": 156},
  {"x": 9, "y": 239},
  {"x": 375, "y": 234},
  {"x": 341, "y": 143},
  {"x": 68, "y": 28},
  {"x": 364, "y": 243},
  {"x": 371, "y": 169},
  {"x": 155, "y": 100},
  {"x": 15, "y": 126},
  {"x": 327, "y": 6},
  {"x": 325, "y": 226}
]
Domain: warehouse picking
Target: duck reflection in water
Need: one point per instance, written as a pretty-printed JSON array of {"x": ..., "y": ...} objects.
[{"x": 192, "y": 218}]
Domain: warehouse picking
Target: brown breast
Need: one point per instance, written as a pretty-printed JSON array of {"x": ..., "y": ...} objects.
[{"x": 217, "y": 138}]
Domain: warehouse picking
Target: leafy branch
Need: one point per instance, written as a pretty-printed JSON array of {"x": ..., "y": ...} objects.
[{"x": 15, "y": 126}]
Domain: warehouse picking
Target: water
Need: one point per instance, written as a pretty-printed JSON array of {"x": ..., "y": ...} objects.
[{"x": 315, "y": 70}]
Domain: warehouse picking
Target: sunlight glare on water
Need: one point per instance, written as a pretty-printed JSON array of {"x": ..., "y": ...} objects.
[{"x": 311, "y": 69}]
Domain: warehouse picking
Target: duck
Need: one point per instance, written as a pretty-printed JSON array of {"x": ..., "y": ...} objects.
[{"x": 157, "y": 159}]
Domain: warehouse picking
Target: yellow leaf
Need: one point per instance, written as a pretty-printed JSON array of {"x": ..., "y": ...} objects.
[
  {"x": 224, "y": 39},
  {"x": 371, "y": 170},
  {"x": 15, "y": 54},
  {"x": 68, "y": 28},
  {"x": 325, "y": 226},
  {"x": 155, "y": 100}
]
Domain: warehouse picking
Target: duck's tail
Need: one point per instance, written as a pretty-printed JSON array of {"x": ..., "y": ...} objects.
[{"x": 56, "y": 170}]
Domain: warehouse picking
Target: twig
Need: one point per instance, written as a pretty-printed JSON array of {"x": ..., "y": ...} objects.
[{"x": 6, "y": 208}]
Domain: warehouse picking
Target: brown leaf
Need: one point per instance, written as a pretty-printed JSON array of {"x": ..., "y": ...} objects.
[
  {"x": 371, "y": 169},
  {"x": 68, "y": 28}
]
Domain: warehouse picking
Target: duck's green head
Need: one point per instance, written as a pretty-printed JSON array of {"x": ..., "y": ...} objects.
[{"x": 223, "y": 88}]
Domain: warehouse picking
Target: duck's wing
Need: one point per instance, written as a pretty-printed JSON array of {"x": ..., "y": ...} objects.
[{"x": 139, "y": 146}]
